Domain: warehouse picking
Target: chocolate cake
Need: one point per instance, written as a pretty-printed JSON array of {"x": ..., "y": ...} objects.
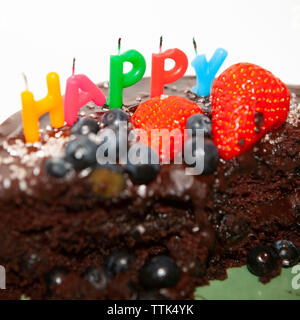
[{"x": 71, "y": 237}]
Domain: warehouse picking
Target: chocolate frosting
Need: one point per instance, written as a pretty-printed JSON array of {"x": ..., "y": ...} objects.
[
  {"x": 206, "y": 223},
  {"x": 22, "y": 174}
]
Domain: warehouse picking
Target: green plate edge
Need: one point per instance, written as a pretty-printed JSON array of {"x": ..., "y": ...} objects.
[{"x": 242, "y": 285}]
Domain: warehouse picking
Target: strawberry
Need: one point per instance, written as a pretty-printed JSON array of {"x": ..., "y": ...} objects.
[
  {"x": 247, "y": 102},
  {"x": 167, "y": 113}
]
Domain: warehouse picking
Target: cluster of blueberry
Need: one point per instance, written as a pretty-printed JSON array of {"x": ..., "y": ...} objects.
[
  {"x": 158, "y": 272},
  {"x": 80, "y": 152},
  {"x": 264, "y": 259},
  {"x": 162, "y": 272}
]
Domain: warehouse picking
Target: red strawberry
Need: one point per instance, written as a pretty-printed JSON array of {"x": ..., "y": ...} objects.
[
  {"x": 167, "y": 113},
  {"x": 247, "y": 102}
]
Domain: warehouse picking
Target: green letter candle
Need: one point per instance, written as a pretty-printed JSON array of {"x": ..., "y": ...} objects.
[{"x": 119, "y": 80}]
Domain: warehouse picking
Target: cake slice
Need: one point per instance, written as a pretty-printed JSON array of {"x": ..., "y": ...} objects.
[{"x": 94, "y": 233}]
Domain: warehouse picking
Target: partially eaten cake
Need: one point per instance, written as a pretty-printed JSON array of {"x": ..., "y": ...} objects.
[{"x": 74, "y": 229}]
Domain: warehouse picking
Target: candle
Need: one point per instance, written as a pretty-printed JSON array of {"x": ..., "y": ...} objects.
[
  {"x": 79, "y": 91},
  {"x": 32, "y": 110},
  {"x": 206, "y": 71},
  {"x": 160, "y": 76},
  {"x": 119, "y": 80}
]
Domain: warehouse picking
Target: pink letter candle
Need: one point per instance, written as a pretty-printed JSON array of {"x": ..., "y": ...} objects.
[{"x": 79, "y": 91}]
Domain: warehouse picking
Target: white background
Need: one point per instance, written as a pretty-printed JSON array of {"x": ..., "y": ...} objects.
[{"x": 41, "y": 36}]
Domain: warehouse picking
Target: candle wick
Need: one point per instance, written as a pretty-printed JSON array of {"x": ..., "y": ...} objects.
[
  {"x": 119, "y": 45},
  {"x": 73, "y": 66},
  {"x": 26, "y": 81},
  {"x": 160, "y": 43},
  {"x": 195, "y": 45}
]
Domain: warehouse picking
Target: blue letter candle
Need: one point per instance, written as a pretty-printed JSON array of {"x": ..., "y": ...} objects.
[{"x": 206, "y": 71}]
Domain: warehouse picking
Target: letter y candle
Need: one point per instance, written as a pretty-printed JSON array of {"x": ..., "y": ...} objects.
[{"x": 206, "y": 70}]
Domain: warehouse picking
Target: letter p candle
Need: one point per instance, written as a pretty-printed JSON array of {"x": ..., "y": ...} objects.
[
  {"x": 160, "y": 76},
  {"x": 120, "y": 80}
]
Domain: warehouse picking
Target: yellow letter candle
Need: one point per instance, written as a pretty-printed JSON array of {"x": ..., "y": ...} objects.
[{"x": 32, "y": 110}]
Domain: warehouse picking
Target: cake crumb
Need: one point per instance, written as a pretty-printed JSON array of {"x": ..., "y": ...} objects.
[
  {"x": 293, "y": 117},
  {"x": 58, "y": 134},
  {"x": 141, "y": 229},
  {"x": 84, "y": 173},
  {"x": 17, "y": 172},
  {"x": 7, "y": 160},
  {"x": 36, "y": 171},
  {"x": 142, "y": 191},
  {"x": 105, "y": 84},
  {"x": 195, "y": 229},
  {"x": 22, "y": 185},
  {"x": 6, "y": 183},
  {"x": 163, "y": 96}
]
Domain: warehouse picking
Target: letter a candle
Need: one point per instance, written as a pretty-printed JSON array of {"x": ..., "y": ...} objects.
[
  {"x": 120, "y": 80},
  {"x": 79, "y": 91}
]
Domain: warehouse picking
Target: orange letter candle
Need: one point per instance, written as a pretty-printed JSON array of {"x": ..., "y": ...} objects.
[{"x": 32, "y": 110}]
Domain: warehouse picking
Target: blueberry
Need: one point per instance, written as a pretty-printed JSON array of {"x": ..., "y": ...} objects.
[
  {"x": 114, "y": 117},
  {"x": 81, "y": 153},
  {"x": 159, "y": 272},
  {"x": 56, "y": 276},
  {"x": 118, "y": 261},
  {"x": 85, "y": 126},
  {"x": 29, "y": 263},
  {"x": 201, "y": 122},
  {"x": 287, "y": 252},
  {"x": 57, "y": 167},
  {"x": 108, "y": 181},
  {"x": 112, "y": 145},
  {"x": 209, "y": 152},
  {"x": 262, "y": 260},
  {"x": 96, "y": 276},
  {"x": 143, "y": 165}
]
